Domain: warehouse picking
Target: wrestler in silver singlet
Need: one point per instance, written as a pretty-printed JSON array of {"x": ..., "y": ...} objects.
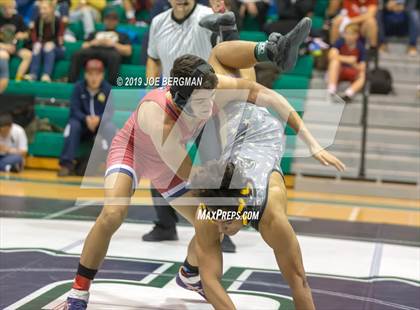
[{"x": 254, "y": 140}]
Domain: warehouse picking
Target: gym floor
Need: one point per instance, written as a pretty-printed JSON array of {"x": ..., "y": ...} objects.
[{"x": 359, "y": 252}]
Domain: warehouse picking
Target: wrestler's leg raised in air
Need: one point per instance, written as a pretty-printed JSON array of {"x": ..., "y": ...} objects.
[{"x": 228, "y": 57}]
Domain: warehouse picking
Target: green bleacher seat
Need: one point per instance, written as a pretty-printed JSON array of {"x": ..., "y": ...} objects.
[
  {"x": 291, "y": 82},
  {"x": 40, "y": 89},
  {"x": 126, "y": 99},
  {"x": 134, "y": 59},
  {"x": 71, "y": 48},
  {"x": 133, "y": 71},
  {"x": 255, "y": 36},
  {"x": 57, "y": 115},
  {"x": 320, "y": 7},
  {"x": 61, "y": 69},
  {"x": 304, "y": 66},
  {"x": 77, "y": 29},
  {"x": 47, "y": 144},
  {"x": 251, "y": 24},
  {"x": 317, "y": 22},
  {"x": 120, "y": 117},
  {"x": 50, "y": 144}
]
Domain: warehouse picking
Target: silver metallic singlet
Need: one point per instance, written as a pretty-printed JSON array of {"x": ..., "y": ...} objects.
[{"x": 254, "y": 140}]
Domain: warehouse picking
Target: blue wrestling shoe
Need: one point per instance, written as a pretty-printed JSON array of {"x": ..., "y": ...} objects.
[
  {"x": 189, "y": 281},
  {"x": 77, "y": 300}
]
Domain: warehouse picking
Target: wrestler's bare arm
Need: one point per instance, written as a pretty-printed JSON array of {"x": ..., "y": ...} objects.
[
  {"x": 258, "y": 94},
  {"x": 210, "y": 260},
  {"x": 282, "y": 239},
  {"x": 279, "y": 235},
  {"x": 166, "y": 137}
]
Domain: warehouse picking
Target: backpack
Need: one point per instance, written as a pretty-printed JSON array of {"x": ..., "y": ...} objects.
[{"x": 380, "y": 81}]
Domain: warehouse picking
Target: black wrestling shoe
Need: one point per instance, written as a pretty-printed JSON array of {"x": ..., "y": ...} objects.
[
  {"x": 160, "y": 233},
  {"x": 213, "y": 22},
  {"x": 227, "y": 245},
  {"x": 285, "y": 49}
]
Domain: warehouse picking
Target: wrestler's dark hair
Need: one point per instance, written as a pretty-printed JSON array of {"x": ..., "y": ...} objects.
[
  {"x": 185, "y": 65},
  {"x": 232, "y": 183}
]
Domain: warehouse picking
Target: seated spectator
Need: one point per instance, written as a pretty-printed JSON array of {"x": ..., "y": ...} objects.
[
  {"x": 347, "y": 63},
  {"x": 88, "y": 12},
  {"x": 12, "y": 30},
  {"x": 62, "y": 8},
  {"x": 13, "y": 145},
  {"x": 361, "y": 12},
  {"x": 108, "y": 45},
  {"x": 290, "y": 12},
  {"x": 47, "y": 42},
  {"x": 87, "y": 108},
  {"x": 399, "y": 17}
]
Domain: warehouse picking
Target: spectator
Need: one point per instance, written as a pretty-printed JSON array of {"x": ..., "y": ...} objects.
[
  {"x": 109, "y": 46},
  {"x": 12, "y": 30},
  {"x": 88, "y": 12},
  {"x": 399, "y": 17},
  {"x": 347, "y": 63},
  {"x": 47, "y": 42},
  {"x": 361, "y": 12},
  {"x": 13, "y": 145},
  {"x": 290, "y": 12},
  {"x": 62, "y": 8},
  {"x": 87, "y": 110}
]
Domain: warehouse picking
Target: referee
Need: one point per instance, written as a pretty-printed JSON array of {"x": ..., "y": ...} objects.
[{"x": 174, "y": 33}]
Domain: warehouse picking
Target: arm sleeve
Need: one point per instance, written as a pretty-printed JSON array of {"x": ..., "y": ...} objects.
[
  {"x": 76, "y": 104},
  {"x": 152, "y": 47}
]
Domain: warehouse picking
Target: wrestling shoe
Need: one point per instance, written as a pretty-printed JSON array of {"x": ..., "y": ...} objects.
[
  {"x": 77, "y": 300},
  {"x": 189, "y": 281},
  {"x": 285, "y": 48},
  {"x": 213, "y": 22}
]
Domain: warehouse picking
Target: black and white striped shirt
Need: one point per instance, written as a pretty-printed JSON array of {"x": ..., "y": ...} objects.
[{"x": 170, "y": 39}]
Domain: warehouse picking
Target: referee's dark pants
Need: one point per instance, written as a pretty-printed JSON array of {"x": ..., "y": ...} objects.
[{"x": 210, "y": 149}]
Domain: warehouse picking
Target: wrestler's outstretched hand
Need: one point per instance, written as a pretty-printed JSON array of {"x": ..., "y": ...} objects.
[{"x": 328, "y": 159}]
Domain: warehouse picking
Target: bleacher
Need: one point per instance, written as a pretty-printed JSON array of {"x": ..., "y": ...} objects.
[{"x": 393, "y": 126}]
